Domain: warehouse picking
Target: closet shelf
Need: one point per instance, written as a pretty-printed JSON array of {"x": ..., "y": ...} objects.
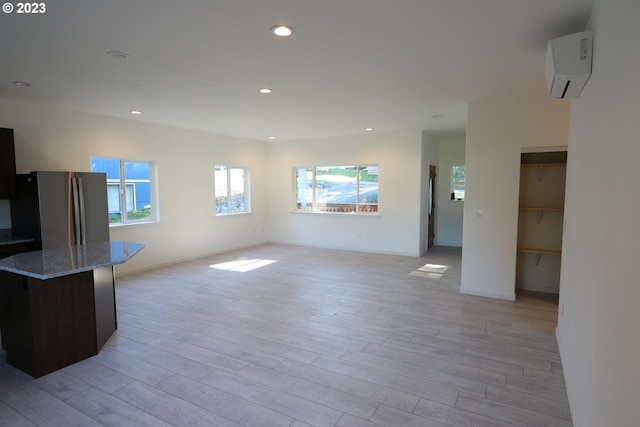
[
  {"x": 529, "y": 208},
  {"x": 540, "y": 211},
  {"x": 540, "y": 251},
  {"x": 541, "y": 167},
  {"x": 537, "y": 165}
]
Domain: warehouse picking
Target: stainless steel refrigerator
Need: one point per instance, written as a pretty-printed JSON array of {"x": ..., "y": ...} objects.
[{"x": 59, "y": 209}]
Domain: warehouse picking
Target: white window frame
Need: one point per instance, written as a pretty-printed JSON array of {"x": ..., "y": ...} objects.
[
  {"x": 229, "y": 190},
  {"x": 360, "y": 208},
  {"x": 122, "y": 182},
  {"x": 456, "y": 182}
]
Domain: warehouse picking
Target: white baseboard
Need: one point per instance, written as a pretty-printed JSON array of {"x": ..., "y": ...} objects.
[
  {"x": 480, "y": 293},
  {"x": 346, "y": 249},
  {"x": 185, "y": 259},
  {"x": 567, "y": 384}
]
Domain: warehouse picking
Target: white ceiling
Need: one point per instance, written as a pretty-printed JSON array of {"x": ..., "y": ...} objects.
[{"x": 351, "y": 64}]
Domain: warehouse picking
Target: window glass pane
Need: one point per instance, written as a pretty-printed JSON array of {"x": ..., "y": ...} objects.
[
  {"x": 368, "y": 184},
  {"x": 457, "y": 182},
  {"x": 231, "y": 189},
  {"x": 236, "y": 190},
  {"x": 109, "y": 166},
  {"x": 137, "y": 191},
  {"x": 130, "y": 197},
  {"x": 304, "y": 189},
  {"x": 458, "y": 191},
  {"x": 221, "y": 189},
  {"x": 112, "y": 168},
  {"x": 113, "y": 201},
  {"x": 457, "y": 173},
  {"x": 336, "y": 188}
]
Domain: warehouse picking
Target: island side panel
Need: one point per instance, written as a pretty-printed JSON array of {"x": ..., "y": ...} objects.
[
  {"x": 63, "y": 309},
  {"x": 105, "y": 303},
  {"x": 15, "y": 321},
  {"x": 51, "y": 323}
]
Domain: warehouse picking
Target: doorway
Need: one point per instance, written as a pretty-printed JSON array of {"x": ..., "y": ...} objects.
[{"x": 431, "y": 207}]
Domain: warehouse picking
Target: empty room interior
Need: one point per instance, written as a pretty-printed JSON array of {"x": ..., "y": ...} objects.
[{"x": 358, "y": 213}]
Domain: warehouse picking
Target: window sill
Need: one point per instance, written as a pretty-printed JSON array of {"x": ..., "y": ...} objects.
[
  {"x": 231, "y": 214},
  {"x": 360, "y": 215},
  {"x": 132, "y": 224}
]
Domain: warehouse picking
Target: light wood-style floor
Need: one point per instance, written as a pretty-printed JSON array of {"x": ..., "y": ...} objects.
[{"x": 279, "y": 335}]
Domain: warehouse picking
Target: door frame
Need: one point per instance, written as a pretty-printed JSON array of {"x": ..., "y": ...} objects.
[{"x": 431, "y": 207}]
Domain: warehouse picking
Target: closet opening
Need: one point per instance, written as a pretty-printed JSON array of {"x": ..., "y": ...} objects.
[{"x": 540, "y": 223}]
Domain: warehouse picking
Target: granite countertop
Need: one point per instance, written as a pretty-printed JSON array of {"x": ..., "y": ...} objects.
[{"x": 50, "y": 263}]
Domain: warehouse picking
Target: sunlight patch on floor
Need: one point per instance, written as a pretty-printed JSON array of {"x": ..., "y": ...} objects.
[
  {"x": 242, "y": 265},
  {"x": 434, "y": 268},
  {"x": 434, "y": 271}
]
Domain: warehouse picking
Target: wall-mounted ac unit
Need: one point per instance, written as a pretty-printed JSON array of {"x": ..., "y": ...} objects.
[{"x": 568, "y": 64}]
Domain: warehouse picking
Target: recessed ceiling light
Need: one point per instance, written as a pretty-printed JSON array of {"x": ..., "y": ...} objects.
[
  {"x": 265, "y": 90},
  {"x": 118, "y": 55},
  {"x": 272, "y": 137},
  {"x": 21, "y": 83},
  {"x": 368, "y": 129},
  {"x": 282, "y": 30},
  {"x": 136, "y": 112}
]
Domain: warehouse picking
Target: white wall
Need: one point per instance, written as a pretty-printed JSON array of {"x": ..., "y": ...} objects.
[
  {"x": 449, "y": 212},
  {"x": 50, "y": 138},
  {"x": 599, "y": 287},
  {"x": 396, "y": 230},
  {"x": 497, "y": 131}
]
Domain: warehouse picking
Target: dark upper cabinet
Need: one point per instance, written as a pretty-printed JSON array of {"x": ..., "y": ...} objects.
[{"x": 7, "y": 163}]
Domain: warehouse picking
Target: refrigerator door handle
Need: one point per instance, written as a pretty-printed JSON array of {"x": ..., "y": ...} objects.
[
  {"x": 76, "y": 210},
  {"x": 83, "y": 226}
]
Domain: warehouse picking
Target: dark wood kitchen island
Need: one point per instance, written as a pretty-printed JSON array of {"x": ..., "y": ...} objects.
[{"x": 57, "y": 306}]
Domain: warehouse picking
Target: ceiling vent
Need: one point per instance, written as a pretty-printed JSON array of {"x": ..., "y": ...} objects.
[{"x": 568, "y": 64}]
